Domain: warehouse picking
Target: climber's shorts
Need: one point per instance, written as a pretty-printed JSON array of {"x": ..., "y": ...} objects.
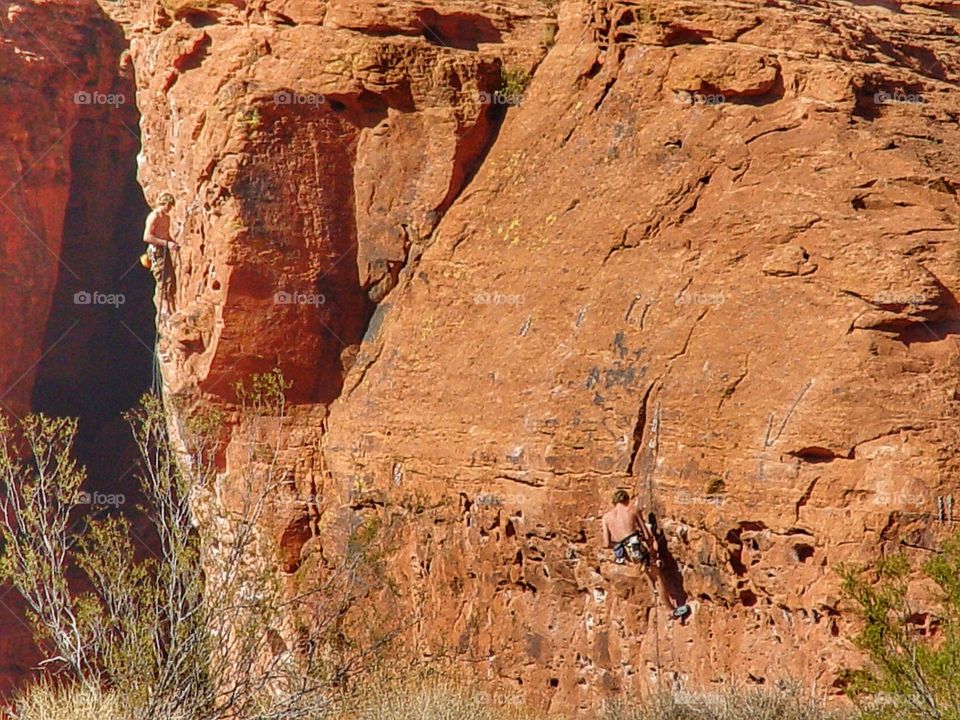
[
  {"x": 157, "y": 257},
  {"x": 631, "y": 547}
]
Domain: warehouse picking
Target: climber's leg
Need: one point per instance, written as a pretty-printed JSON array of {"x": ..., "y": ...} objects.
[{"x": 157, "y": 261}]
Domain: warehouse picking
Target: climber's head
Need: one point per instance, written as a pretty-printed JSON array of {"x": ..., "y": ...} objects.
[
  {"x": 167, "y": 201},
  {"x": 621, "y": 497}
]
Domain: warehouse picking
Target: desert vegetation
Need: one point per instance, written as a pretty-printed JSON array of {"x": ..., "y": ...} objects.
[
  {"x": 199, "y": 626},
  {"x": 914, "y": 673},
  {"x": 428, "y": 697}
]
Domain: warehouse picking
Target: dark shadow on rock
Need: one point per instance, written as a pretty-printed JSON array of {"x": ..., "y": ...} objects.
[
  {"x": 670, "y": 569},
  {"x": 97, "y": 358},
  {"x": 463, "y": 31}
]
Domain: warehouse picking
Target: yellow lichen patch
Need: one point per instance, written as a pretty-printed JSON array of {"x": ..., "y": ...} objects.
[{"x": 426, "y": 328}]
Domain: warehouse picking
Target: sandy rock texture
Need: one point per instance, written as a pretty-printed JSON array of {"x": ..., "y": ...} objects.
[{"x": 710, "y": 256}]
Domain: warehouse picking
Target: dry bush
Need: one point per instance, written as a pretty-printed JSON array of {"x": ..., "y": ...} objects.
[
  {"x": 45, "y": 701},
  {"x": 202, "y": 629},
  {"x": 427, "y": 697},
  {"x": 734, "y": 704},
  {"x": 423, "y": 696}
]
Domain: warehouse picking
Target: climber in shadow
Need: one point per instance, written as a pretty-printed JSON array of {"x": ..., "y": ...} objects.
[
  {"x": 160, "y": 243},
  {"x": 631, "y": 538}
]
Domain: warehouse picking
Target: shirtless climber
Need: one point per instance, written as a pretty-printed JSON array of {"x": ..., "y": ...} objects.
[
  {"x": 635, "y": 541},
  {"x": 158, "y": 238}
]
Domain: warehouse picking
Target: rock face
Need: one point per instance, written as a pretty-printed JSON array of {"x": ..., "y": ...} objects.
[
  {"x": 68, "y": 135},
  {"x": 709, "y": 257},
  {"x": 322, "y": 158},
  {"x": 59, "y": 65}
]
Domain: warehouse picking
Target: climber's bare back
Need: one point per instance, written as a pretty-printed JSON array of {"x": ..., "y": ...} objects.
[{"x": 623, "y": 520}]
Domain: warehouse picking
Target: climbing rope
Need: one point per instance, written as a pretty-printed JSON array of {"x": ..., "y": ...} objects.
[
  {"x": 656, "y": 631},
  {"x": 157, "y": 384},
  {"x": 654, "y": 446}
]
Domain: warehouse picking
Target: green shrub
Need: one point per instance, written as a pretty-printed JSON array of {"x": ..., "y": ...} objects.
[
  {"x": 513, "y": 85},
  {"x": 715, "y": 486},
  {"x": 251, "y": 119},
  {"x": 548, "y": 35},
  {"x": 912, "y": 676}
]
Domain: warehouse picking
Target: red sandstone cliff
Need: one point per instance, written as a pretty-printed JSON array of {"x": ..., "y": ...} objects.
[
  {"x": 710, "y": 256},
  {"x": 729, "y": 230}
]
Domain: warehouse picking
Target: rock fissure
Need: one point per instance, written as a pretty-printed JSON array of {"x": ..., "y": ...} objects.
[{"x": 639, "y": 430}]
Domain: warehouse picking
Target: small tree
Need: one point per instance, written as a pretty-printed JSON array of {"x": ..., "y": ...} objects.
[
  {"x": 39, "y": 489},
  {"x": 202, "y": 629},
  {"x": 913, "y": 677}
]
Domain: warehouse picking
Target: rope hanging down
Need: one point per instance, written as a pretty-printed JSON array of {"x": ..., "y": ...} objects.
[{"x": 157, "y": 383}]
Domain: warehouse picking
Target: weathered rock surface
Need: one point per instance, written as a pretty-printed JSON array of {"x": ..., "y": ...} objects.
[
  {"x": 710, "y": 257},
  {"x": 319, "y": 160}
]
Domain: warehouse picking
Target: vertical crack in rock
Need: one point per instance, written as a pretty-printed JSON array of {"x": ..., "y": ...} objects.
[
  {"x": 805, "y": 498},
  {"x": 732, "y": 387},
  {"x": 639, "y": 430}
]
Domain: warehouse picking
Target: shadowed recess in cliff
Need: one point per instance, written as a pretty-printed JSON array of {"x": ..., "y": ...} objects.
[
  {"x": 97, "y": 354},
  {"x": 464, "y": 31},
  {"x": 477, "y": 142}
]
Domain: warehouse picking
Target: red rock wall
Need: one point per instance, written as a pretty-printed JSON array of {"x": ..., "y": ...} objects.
[{"x": 710, "y": 257}]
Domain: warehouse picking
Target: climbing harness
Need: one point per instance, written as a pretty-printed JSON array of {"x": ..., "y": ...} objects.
[{"x": 631, "y": 547}]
